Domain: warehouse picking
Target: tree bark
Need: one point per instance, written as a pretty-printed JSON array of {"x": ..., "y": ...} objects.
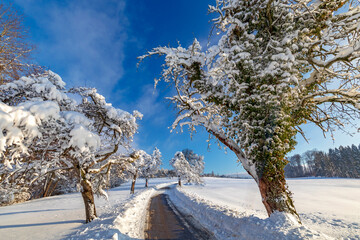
[
  {"x": 272, "y": 184},
  {"x": 50, "y": 193},
  {"x": 132, "y": 190},
  {"x": 146, "y": 183},
  {"x": 88, "y": 198},
  {"x": 276, "y": 196},
  {"x": 48, "y": 183},
  {"x": 180, "y": 181}
]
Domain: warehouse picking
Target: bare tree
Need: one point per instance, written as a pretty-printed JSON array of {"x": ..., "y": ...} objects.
[{"x": 15, "y": 49}]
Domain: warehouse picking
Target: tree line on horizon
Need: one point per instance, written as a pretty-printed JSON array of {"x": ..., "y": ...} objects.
[{"x": 342, "y": 162}]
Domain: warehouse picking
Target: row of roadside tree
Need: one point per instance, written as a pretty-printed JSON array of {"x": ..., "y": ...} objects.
[{"x": 51, "y": 134}]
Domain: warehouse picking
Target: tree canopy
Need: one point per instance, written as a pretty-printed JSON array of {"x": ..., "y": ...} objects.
[
  {"x": 44, "y": 129},
  {"x": 277, "y": 65},
  {"x": 188, "y": 166}
]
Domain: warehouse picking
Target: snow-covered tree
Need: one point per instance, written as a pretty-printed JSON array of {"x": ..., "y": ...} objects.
[
  {"x": 196, "y": 163},
  {"x": 44, "y": 130},
  {"x": 187, "y": 169},
  {"x": 136, "y": 168},
  {"x": 180, "y": 165},
  {"x": 278, "y": 64},
  {"x": 146, "y": 165},
  {"x": 15, "y": 51},
  {"x": 152, "y": 165}
]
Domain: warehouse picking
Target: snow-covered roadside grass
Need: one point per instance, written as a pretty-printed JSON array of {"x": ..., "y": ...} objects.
[
  {"x": 125, "y": 221},
  {"x": 131, "y": 218},
  {"x": 227, "y": 223},
  {"x": 328, "y": 206}
]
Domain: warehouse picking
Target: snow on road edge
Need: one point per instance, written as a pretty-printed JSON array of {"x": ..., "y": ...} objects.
[
  {"x": 130, "y": 220},
  {"x": 227, "y": 223},
  {"x": 123, "y": 221}
]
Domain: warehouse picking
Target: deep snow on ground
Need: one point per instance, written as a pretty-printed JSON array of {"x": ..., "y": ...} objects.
[
  {"x": 330, "y": 206},
  {"x": 59, "y": 217},
  {"x": 229, "y": 207}
]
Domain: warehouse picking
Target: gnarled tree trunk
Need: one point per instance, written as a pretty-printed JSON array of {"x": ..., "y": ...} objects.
[
  {"x": 132, "y": 190},
  {"x": 88, "y": 197},
  {"x": 275, "y": 196},
  {"x": 274, "y": 192}
]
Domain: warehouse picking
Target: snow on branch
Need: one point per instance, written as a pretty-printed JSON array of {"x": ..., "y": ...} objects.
[{"x": 44, "y": 129}]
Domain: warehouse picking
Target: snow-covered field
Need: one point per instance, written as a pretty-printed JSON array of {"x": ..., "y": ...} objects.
[
  {"x": 326, "y": 206},
  {"x": 329, "y": 208}
]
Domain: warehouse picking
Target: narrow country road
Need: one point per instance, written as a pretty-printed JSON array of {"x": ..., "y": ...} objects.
[{"x": 166, "y": 222}]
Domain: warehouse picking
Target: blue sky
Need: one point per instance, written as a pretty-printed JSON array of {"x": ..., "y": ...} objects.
[{"x": 96, "y": 43}]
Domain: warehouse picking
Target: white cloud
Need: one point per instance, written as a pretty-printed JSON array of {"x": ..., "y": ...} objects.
[{"x": 83, "y": 39}]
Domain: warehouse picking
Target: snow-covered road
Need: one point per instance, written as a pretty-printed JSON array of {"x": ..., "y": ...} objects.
[
  {"x": 164, "y": 221},
  {"x": 224, "y": 206}
]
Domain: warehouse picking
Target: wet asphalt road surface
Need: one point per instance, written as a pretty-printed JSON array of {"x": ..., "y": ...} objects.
[{"x": 166, "y": 222}]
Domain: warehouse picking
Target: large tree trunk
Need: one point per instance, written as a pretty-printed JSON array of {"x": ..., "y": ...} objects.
[
  {"x": 132, "y": 190},
  {"x": 275, "y": 194},
  {"x": 274, "y": 191},
  {"x": 271, "y": 180},
  {"x": 146, "y": 183},
  {"x": 87, "y": 194},
  {"x": 88, "y": 198}
]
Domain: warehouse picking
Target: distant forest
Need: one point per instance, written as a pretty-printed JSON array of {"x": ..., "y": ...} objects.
[{"x": 339, "y": 162}]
